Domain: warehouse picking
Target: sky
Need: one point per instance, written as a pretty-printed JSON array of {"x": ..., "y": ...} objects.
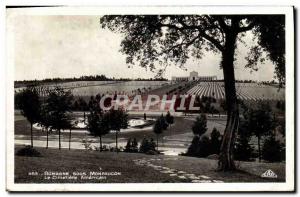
[{"x": 72, "y": 46}]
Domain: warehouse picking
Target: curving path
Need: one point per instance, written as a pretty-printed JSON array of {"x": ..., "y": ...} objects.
[{"x": 187, "y": 177}]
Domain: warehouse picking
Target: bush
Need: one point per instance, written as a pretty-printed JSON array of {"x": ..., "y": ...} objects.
[
  {"x": 215, "y": 141},
  {"x": 114, "y": 149},
  {"x": 147, "y": 145},
  {"x": 243, "y": 151},
  {"x": 272, "y": 150},
  {"x": 131, "y": 146},
  {"x": 29, "y": 152},
  {"x": 194, "y": 147},
  {"x": 200, "y": 125},
  {"x": 199, "y": 147},
  {"x": 204, "y": 147}
]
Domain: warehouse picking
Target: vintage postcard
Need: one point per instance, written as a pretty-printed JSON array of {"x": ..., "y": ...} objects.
[{"x": 150, "y": 98}]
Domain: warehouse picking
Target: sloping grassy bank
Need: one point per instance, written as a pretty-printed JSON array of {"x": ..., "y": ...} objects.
[{"x": 37, "y": 169}]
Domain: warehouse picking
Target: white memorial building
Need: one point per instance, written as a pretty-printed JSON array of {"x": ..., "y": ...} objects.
[{"x": 194, "y": 77}]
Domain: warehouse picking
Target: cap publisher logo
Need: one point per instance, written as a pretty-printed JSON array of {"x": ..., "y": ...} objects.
[{"x": 269, "y": 174}]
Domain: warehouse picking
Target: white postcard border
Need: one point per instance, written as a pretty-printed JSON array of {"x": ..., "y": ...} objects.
[{"x": 290, "y": 102}]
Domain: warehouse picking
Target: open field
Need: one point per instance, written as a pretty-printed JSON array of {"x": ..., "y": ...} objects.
[
  {"x": 129, "y": 88},
  {"x": 245, "y": 91},
  {"x": 91, "y": 88},
  {"x": 133, "y": 168}
]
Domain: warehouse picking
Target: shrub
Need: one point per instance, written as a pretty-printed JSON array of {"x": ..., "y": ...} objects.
[
  {"x": 131, "y": 146},
  {"x": 114, "y": 149},
  {"x": 215, "y": 141},
  {"x": 128, "y": 146},
  {"x": 147, "y": 145},
  {"x": 272, "y": 150},
  {"x": 199, "y": 147},
  {"x": 29, "y": 152},
  {"x": 204, "y": 147},
  {"x": 194, "y": 147},
  {"x": 243, "y": 151},
  {"x": 200, "y": 125}
]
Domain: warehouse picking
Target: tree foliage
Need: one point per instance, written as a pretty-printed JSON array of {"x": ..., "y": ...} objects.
[
  {"x": 131, "y": 146},
  {"x": 200, "y": 147},
  {"x": 98, "y": 125},
  {"x": 243, "y": 151},
  {"x": 215, "y": 141},
  {"x": 273, "y": 150},
  {"x": 147, "y": 146},
  {"x": 260, "y": 122},
  {"x": 159, "y": 126},
  {"x": 118, "y": 119},
  {"x": 153, "y": 40},
  {"x": 200, "y": 125},
  {"x": 169, "y": 118},
  {"x": 59, "y": 105},
  {"x": 29, "y": 103}
]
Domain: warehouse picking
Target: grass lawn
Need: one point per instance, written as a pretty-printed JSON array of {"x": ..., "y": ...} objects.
[
  {"x": 85, "y": 161},
  {"x": 54, "y": 160}
]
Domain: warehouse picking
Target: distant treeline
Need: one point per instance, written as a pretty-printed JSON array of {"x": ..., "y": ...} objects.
[
  {"x": 254, "y": 81},
  {"x": 83, "y": 78}
]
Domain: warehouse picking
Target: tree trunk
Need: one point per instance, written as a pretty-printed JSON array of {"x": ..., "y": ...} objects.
[
  {"x": 100, "y": 143},
  {"x": 259, "y": 151},
  {"x": 59, "y": 145},
  {"x": 47, "y": 138},
  {"x": 31, "y": 138},
  {"x": 157, "y": 142},
  {"x": 226, "y": 162},
  {"x": 70, "y": 140},
  {"x": 117, "y": 141}
]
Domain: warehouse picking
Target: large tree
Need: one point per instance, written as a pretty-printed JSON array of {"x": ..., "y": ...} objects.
[{"x": 155, "y": 40}]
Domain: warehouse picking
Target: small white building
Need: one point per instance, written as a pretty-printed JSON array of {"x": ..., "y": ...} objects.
[{"x": 194, "y": 77}]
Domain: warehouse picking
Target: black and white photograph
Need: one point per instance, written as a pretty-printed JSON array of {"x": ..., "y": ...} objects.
[{"x": 150, "y": 98}]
